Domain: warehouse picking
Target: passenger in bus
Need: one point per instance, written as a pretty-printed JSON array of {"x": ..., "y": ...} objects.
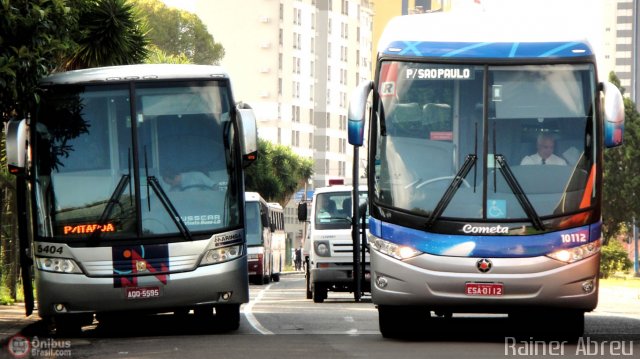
[
  {"x": 545, "y": 145},
  {"x": 187, "y": 181}
]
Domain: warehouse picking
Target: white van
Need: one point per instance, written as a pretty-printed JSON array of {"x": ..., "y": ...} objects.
[{"x": 330, "y": 243}]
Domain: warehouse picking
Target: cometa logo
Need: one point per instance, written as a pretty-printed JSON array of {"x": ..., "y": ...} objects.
[
  {"x": 469, "y": 229},
  {"x": 89, "y": 228}
]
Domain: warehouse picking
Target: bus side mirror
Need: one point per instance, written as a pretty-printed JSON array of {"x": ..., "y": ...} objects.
[
  {"x": 247, "y": 125},
  {"x": 16, "y": 146},
  {"x": 357, "y": 107},
  {"x": 613, "y": 115},
  {"x": 302, "y": 211}
]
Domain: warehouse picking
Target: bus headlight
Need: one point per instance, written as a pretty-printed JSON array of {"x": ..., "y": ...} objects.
[
  {"x": 58, "y": 265},
  {"x": 575, "y": 254},
  {"x": 392, "y": 249},
  {"x": 322, "y": 248},
  {"x": 220, "y": 255}
]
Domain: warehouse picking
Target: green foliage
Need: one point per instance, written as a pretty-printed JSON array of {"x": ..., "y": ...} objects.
[
  {"x": 33, "y": 36},
  {"x": 277, "y": 173},
  {"x": 109, "y": 32},
  {"x": 157, "y": 56},
  {"x": 614, "y": 259},
  {"x": 180, "y": 33},
  {"x": 621, "y": 166}
]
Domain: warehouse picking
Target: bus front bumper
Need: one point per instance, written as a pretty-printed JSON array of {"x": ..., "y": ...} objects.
[
  {"x": 451, "y": 283},
  {"x": 206, "y": 285}
]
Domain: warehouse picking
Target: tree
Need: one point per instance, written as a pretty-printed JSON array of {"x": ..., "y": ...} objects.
[
  {"x": 178, "y": 32},
  {"x": 277, "y": 173},
  {"x": 108, "y": 32},
  {"x": 621, "y": 166},
  {"x": 157, "y": 56},
  {"x": 33, "y": 37}
]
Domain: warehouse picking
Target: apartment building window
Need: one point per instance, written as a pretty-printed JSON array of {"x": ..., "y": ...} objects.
[
  {"x": 329, "y": 23},
  {"x": 281, "y": 12},
  {"x": 326, "y": 167},
  {"x": 280, "y": 37},
  {"x": 345, "y": 7},
  {"x": 280, "y": 86},
  {"x": 311, "y": 116},
  {"x": 313, "y": 21},
  {"x": 311, "y": 93},
  {"x": 311, "y": 141},
  {"x": 328, "y": 124},
  {"x": 327, "y": 146},
  {"x": 313, "y": 45},
  {"x": 357, "y": 57},
  {"x": 328, "y": 97},
  {"x": 328, "y": 73},
  {"x": 312, "y": 69},
  {"x": 279, "y": 135}
]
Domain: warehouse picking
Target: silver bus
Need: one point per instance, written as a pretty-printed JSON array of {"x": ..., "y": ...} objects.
[
  {"x": 485, "y": 171},
  {"x": 131, "y": 178}
]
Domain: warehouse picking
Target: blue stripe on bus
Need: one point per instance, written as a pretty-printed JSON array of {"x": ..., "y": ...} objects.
[
  {"x": 489, "y": 49},
  {"x": 505, "y": 246}
]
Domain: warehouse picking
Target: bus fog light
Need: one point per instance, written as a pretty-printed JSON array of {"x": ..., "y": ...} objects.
[
  {"x": 220, "y": 255},
  {"x": 588, "y": 286},
  {"x": 60, "y": 308},
  {"x": 57, "y": 265},
  {"x": 225, "y": 296},
  {"x": 382, "y": 282}
]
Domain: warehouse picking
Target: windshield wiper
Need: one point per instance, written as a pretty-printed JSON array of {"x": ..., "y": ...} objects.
[
  {"x": 517, "y": 190},
  {"x": 152, "y": 181},
  {"x": 113, "y": 200},
  {"x": 455, "y": 184}
]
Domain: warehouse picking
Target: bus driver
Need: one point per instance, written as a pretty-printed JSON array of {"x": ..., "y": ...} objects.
[{"x": 544, "y": 156}]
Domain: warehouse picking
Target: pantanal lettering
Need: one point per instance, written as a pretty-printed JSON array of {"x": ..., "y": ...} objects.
[{"x": 89, "y": 228}]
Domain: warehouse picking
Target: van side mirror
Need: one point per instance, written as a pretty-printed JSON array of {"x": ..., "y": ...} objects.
[{"x": 302, "y": 211}]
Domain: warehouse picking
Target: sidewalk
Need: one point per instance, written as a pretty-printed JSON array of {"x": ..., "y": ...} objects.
[{"x": 13, "y": 320}]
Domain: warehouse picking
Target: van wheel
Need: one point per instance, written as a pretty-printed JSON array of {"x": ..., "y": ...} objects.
[
  {"x": 319, "y": 293},
  {"x": 308, "y": 280}
]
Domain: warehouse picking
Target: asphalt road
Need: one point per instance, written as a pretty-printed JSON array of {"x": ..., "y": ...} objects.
[{"x": 280, "y": 323}]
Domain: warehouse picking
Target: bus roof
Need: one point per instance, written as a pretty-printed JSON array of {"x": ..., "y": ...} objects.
[
  {"x": 253, "y": 197},
  {"x": 143, "y": 72},
  {"x": 482, "y": 35}
]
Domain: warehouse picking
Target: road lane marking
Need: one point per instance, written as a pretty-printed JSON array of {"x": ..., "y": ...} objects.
[{"x": 252, "y": 318}]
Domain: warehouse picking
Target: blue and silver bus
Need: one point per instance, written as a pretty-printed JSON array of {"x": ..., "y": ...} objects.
[
  {"x": 131, "y": 178},
  {"x": 485, "y": 170}
]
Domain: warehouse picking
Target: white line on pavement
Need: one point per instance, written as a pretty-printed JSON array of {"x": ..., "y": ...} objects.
[{"x": 251, "y": 318}]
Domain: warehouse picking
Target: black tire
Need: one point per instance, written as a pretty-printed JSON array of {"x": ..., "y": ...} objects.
[
  {"x": 308, "y": 280},
  {"x": 275, "y": 277},
  {"x": 402, "y": 322},
  {"x": 319, "y": 293},
  {"x": 71, "y": 324},
  {"x": 204, "y": 312},
  {"x": 266, "y": 279},
  {"x": 561, "y": 325},
  {"x": 228, "y": 316}
]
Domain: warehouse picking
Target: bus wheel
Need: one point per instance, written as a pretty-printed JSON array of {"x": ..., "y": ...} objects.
[
  {"x": 402, "y": 321},
  {"x": 71, "y": 324},
  {"x": 228, "y": 316},
  {"x": 203, "y": 311},
  {"x": 563, "y": 325},
  {"x": 319, "y": 293}
]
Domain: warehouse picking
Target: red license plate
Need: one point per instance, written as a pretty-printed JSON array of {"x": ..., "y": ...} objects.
[
  {"x": 142, "y": 292},
  {"x": 484, "y": 289}
]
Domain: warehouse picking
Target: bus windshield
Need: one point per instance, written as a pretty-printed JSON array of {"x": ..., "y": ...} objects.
[
  {"x": 254, "y": 224},
  {"x": 465, "y": 138},
  {"x": 167, "y": 171}
]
